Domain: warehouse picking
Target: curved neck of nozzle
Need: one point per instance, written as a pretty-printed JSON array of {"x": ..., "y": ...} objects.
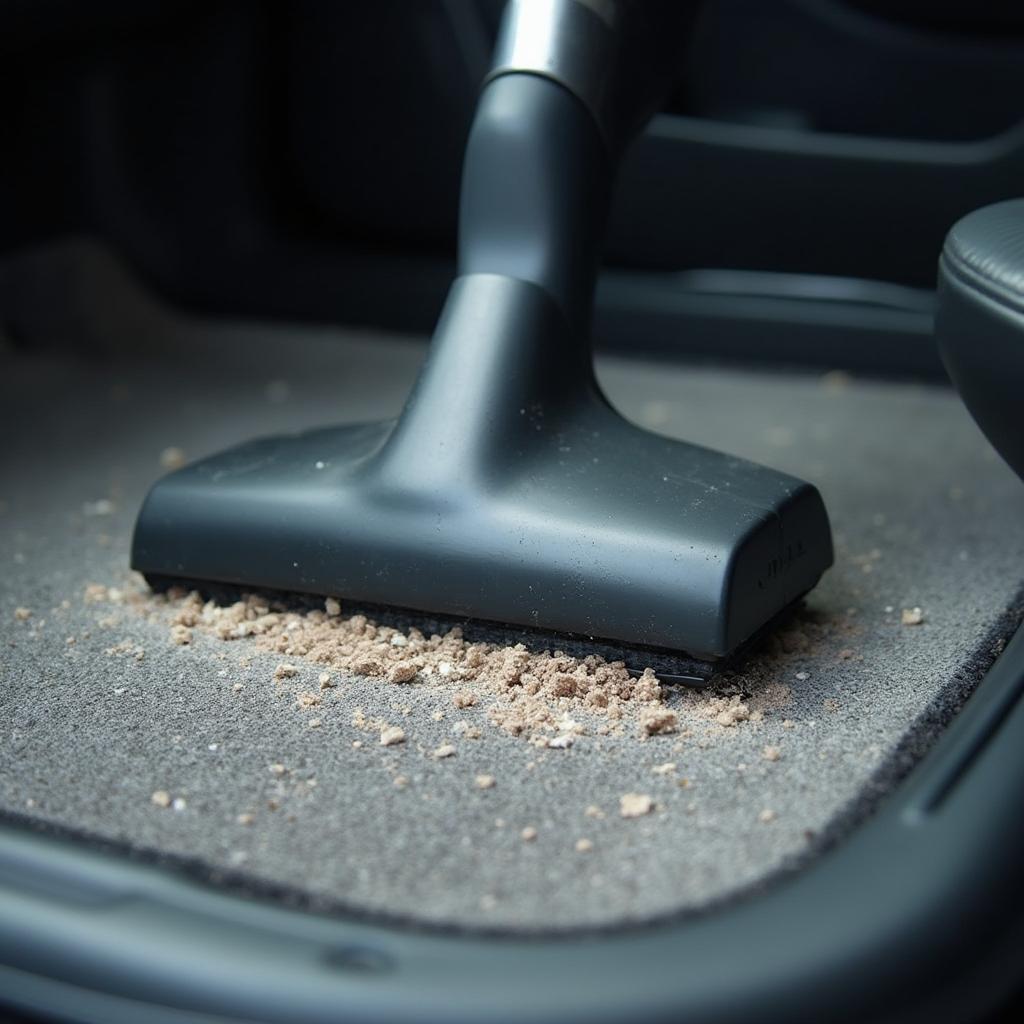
[
  {"x": 511, "y": 353},
  {"x": 514, "y": 338},
  {"x": 535, "y": 193}
]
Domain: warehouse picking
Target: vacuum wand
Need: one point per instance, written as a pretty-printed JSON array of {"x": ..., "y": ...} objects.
[{"x": 509, "y": 490}]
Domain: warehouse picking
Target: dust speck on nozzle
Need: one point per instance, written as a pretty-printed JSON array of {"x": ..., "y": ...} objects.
[{"x": 172, "y": 458}]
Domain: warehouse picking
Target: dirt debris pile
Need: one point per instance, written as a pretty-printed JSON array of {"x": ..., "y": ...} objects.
[{"x": 548, "y": 698}]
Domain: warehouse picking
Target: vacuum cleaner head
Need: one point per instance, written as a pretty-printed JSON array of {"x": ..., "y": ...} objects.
[
  {"x": 511, "y": 493},
  {"x": 509, "y": 490}
]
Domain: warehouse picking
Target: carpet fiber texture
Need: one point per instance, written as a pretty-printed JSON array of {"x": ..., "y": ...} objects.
[{"x": 925, "y": 517}]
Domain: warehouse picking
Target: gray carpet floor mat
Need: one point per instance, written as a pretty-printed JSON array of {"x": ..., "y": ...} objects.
[{"x": 195, "y": 753}]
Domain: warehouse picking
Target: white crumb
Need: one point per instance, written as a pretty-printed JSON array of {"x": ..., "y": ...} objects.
[
  {"x": 635, "y": 805},
  {"x": 392, "y": 734}
]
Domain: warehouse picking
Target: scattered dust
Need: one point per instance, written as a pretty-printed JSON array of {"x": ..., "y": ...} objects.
[{"x": 547, "y": 698}]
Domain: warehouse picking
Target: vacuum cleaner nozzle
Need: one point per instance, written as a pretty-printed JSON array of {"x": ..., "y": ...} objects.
[{"x": 508, "y": 490}]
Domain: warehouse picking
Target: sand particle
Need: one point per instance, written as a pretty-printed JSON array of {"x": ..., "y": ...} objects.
[
  {"x": 584, "y": 846},
  {"x": 285, "y": 671},
  {"x": 277, "y": 769},
  {"x": 635, "y": 805},
  {"x": 443, "y": 751},
  {"x": 593, "y": 811},
  {"x": 332, "y": 606},
  {"x": 181, "y": 634},
  {"x": 391, "y": 735},
  {"x": 657, "y": 721},
  {"x": 664, "y": 769},
  {"x": 403, "y": 672},
  {"x": 246, "y": 818},
  {"x": 161, "y": 798},
  {"x": 771, "y": 753},
  {"x": 766, "y": 816},
  {"x": 23, "y": 614},
  {"x": 325, "y": 681},
  {"x": 528, "y": 834},
  {"x": 911, "y": 617},
  {"x": 485, "y": 782}
]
